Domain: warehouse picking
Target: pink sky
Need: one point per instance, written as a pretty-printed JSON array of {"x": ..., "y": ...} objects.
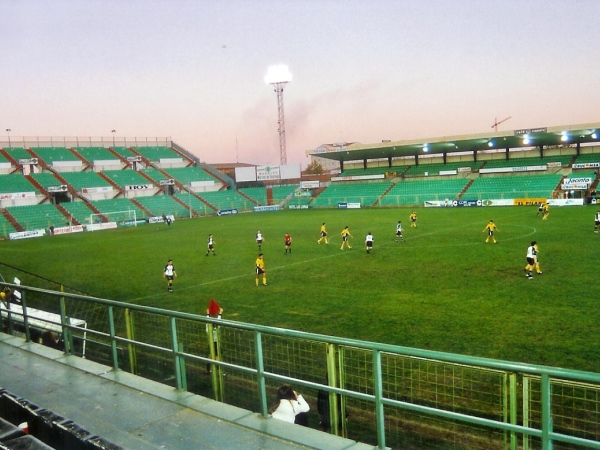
[{"x": 362, "y": 71}]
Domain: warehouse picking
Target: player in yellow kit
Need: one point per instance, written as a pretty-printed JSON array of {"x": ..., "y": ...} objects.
[
  {"x": 345, "y": 235},
  {"x": 260, "y": 270},
  {"x": 323, "y": 234},
  {"x": 490, "y": 227},
  {"x": 413, "y": 220}
]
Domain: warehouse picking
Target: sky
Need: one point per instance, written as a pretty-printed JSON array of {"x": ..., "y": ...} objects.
[{"x": 362, "y": 71}]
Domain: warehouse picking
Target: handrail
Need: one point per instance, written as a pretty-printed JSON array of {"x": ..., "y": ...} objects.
[{"x": 377, "y": 397}]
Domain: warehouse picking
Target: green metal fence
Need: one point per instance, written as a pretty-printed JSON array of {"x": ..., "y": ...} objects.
[{"x": 379, "y": 394}]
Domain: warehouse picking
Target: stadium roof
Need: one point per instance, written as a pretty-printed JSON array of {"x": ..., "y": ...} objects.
[{"x": 524, "y": 138}]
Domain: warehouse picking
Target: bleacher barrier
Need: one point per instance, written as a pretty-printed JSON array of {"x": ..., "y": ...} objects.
[{"x": 394, "y": 396}]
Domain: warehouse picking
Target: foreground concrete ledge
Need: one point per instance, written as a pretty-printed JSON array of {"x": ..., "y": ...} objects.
[{"x": 254, "y": 422}]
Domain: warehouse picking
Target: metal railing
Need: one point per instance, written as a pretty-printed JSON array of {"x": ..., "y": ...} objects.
[{"x": 375, "y": 393}]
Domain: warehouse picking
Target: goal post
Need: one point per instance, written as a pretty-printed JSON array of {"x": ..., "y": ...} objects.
[{"x": 122, "y": 218}]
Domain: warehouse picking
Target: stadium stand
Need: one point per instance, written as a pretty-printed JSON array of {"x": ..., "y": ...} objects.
[
  {"x": 124, "y": 178},
  {"x": 123, "y": 152},
  {"x": 18, "y": 153},
  {"x": 92, "y": 154},
  {"x": 157, "y": 153},
  {"x": 186, "y": 175},
  {"x": 419, "y": 191},
  {"x": 258, "y": 194},
  {"x": 588, "y": 158},
  {"x": 163, "y": 204},
  {"x": 81, "y": 180},
  {"x": 79, "y": 211},
  {"x": 565, "y": 160},
  {"x": 197, "y": 205},
  {"x": 364, "y": 193},
  {"x": 280, "y": 193},
  {"x": 436, "y": 168},
  {"x": 372, "y": 171},
  {"x": 526, "y": 186},
  {"x": 223, "y": 200},
  {"x": 35, "y": 217},
  {"x": 117, "y": 204},
  {"x": 5, "y": 226},
  {"x": 50, "y": 155},
  {"x": 16, "y": 183},
  {"x": 46, "y": 179}
]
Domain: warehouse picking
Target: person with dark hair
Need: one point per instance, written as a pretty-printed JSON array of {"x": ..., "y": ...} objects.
[
  {"x": 210, "y": 243},
  {"x": 491, "y": 228},
  {"x": 288, "y": 243},
  {"x": 323, "y": 234},
  {"x": 49, "y": 339},
  {"x": 169, "y": 274},
  {"x": 288, "y": 404},
  {"x": 259, "y": 240},
  {"x": 260, "y": 270},
  {"x": 345, "y": 236}
]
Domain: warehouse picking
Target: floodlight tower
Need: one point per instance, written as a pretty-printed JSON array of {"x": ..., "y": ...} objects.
[{"x": 278, "y": 77}]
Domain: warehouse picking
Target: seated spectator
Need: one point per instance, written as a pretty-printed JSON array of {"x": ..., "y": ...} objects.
[{"x": 288, "y": 404}]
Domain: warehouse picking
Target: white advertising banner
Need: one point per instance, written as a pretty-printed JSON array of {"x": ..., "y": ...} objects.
[
  {"x": 101, "y": 226},
  {"x": 289, "y": 172},
  {"x": 264, "y": 173},
  {"x": 245, "y": 174},
  {"x": 95, "y": 190},
  {"x": 26, "y": 234},
  {"x": 17, "y": 195}
]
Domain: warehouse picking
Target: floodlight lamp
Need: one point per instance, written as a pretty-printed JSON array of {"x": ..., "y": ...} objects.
[
  {"x": 594, "y": 135},
  {"x": 564, "y": 137},
  {"x": 490, "y": 143},
  {"x": 526, "y": 140},
  {"x": 278, "y": 74},
  {"x": 425, "y": 148}
]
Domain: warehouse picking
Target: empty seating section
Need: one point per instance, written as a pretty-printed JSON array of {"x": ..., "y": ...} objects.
[
  {"x": 280, "y": 193},
  {"x": 126, "y": 177},
  {"x": 588, "y": 158},
  {"x": 78, "y": 211},
  {"x": 582, "y": 174},
  {"x": 163, "y": 204},
  {"x": 81, "y": 180},
  {"x": 117, "y": 205},
  {"x": 46, "y": 179},
  {"x": 16, "y": 183},
  {"x": 185, "y": 175},
  {"x": 35, "y": 217},
  {"x": 372, "y": 171},
  {"x": 154, "y": 174},
  {"x": 123, "y": 152},
  {"x": 92, "y": 154},
  {"x": 258, "y": 194},
  {"x": 54, "y": 154},
  {"x": 436, "y": 168},
  {"x": 17, "y": 153},
  {"x": 156, "y": 153},
  {"x": 197, "y": 205},
  {"x": 5, "y": 226},
  {"x": 364, "y": 193},
  {"x": 223, "y": 200},
  {"x": 3, "y": 158},
  {"x": 418, "y": 191},
  {"x": 526, "y": 186},
  {"x": 565, "y": 160}
]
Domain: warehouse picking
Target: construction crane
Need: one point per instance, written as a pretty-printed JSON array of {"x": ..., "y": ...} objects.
[{"x": 496, "y": 123}]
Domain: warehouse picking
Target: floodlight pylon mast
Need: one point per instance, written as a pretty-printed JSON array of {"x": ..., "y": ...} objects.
[{"x": 281, "y": 121}]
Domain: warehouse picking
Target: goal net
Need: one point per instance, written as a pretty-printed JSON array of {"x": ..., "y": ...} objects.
[{"x": 122, "y": 218}]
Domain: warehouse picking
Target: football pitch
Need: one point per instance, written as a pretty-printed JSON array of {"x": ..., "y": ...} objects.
[{"x": 442, "y": 289}]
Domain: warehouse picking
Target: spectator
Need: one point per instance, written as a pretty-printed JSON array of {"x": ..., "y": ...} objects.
[
  {"x": 288, "y": 404},
  {"x": 49, "y": 339}
]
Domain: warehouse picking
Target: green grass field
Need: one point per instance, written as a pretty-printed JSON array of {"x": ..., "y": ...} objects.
[{"x": 443, "y": 289}]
